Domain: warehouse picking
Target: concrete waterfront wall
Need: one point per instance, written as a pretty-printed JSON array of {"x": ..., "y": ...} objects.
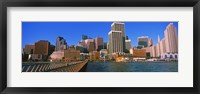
[
  {"x": 71, "y": 68},
  {"x": 83, "y": 69},
  {"x": 54, "y": 67}
]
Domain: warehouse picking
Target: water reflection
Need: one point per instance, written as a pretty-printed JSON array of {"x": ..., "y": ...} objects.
[{"x": 132, "y": 67}]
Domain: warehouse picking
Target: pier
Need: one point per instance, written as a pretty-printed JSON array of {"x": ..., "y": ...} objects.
[{"x": 75, "y": 66}]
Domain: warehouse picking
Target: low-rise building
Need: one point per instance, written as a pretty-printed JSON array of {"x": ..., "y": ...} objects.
[
  {"x": 138, "y": 53},
  {"x": 139, "y": 59},
  {"x": 43, "y": 49},
  {"x": 94, "y": 55},
  {"x": 120, "y": 59},
  {"x": 71, "y": 54},
  {"x": 37, "y": 57},
  {"x": 103, "y": 54},
  {"x": 29, "y": 49},
  {"x": 57, "y": 55},
  {"x": 84, "y": 56},
  {"x": 169, "y": 56},
  {"x": 114, "y": 55}
]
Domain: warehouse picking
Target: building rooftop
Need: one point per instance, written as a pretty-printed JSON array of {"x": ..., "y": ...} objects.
[
  {"x": 113, "y": 31},
  {"x": 143, "y": 37},
  {"x": 116, "y": 23},
  {"x": 127, "y": 40}
]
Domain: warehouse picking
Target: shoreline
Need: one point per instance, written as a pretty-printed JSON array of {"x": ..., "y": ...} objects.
[
  {"x": 134, "y": 62},
  {"x": 105, "y": 62}
]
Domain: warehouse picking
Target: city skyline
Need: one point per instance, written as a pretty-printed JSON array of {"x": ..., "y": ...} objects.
[
  {"x": 89, "y": 49},
  {"x": 150, "y": 29}
]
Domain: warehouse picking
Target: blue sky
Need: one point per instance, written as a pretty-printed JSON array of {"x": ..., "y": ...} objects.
[{"x": 73, "y": 31}]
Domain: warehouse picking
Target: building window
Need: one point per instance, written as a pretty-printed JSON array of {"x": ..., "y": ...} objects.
[
  {"x": 175, "y": 56},
  {"x": 165, "y": 56},
  {"x": 31, "y": 51},
  {"x": 171, "y": 56}
]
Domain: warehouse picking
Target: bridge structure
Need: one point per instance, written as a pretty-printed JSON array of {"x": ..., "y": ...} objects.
[{"x": 75, "y": 66}]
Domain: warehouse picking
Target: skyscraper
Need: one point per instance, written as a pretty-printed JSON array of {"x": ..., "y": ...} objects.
[
  {"x": 108, "y": 46},
  {"x": 91, "y": 46},
  {"x": 118, "y": 26},
  {"x": 105, "y": 44},
  {"x": 99, "y": 43},
  {"x": 162, "y": 46},
  {"x": 150, "y": 43},
  {"x": 143, "y": 41},
  {"x": 88, "y": 40},
  {"x": 126, "y": 38},
  {"x": 157, "y": 50},
  {"x": 61, "y": 43},
  {"x": 84, "y": 37},
  {"x": 171, "y": 39},
  {"x": 158, "y": 38},
  {"x": 153, "y": 51},
  {"x": 128, "y": 45},
  {"x": 82, "y": 43},
  {"x": 115, "y": 42}
]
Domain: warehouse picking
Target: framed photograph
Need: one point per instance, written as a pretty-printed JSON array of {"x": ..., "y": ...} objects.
[{"x": 74, "y": 46}]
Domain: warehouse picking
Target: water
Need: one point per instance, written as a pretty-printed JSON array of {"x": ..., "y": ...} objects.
[{"x": 132, "y": 67}]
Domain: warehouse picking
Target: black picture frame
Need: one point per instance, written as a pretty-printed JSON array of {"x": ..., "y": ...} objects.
[{"x": 99, "y": 3}]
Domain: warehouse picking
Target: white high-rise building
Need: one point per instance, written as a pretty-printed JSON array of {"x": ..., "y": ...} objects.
[
  {"x": 153, "y": 51},
  {"x": 169, "y": 44},
  {"x": 171, "y": 39},
  {"x": 115, "y": 42},
  {"x": 118, "y": 26},
  {"x": 158, "y": 50},
  {"x": 162, "y": 46}
]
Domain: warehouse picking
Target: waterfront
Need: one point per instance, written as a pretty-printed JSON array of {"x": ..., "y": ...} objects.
[
  {"x": 132, "y": 67},
  {"x": 115, "y": 46}
]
